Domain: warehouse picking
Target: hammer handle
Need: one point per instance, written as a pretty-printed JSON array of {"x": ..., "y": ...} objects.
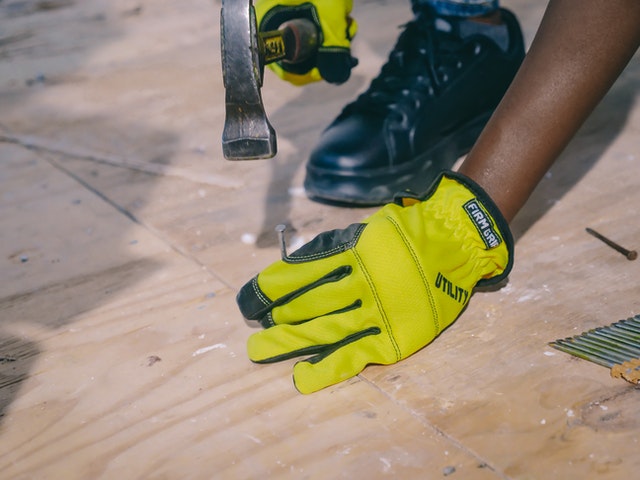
[{"x": 295, "y": 41}]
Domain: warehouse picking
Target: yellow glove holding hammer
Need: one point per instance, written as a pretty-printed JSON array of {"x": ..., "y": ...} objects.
[{"x": 333, "y": 61}]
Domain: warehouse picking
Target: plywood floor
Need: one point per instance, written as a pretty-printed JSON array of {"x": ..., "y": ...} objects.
[{"x": 125, "y": 237}]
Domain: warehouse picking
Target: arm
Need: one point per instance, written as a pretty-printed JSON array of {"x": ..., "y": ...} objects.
[
  {"x": 579, "y": 51},
  {"x": 379, "y": 290}
]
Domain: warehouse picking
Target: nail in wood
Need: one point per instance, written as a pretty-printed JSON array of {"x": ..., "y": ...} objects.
[{"x": 280, "y": 228}]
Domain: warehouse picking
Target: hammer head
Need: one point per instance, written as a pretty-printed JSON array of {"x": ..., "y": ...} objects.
[{"x": 247, "y": 133}]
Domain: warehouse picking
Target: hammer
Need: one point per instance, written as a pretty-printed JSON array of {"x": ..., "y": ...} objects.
[{"x": 247, "y": 133}]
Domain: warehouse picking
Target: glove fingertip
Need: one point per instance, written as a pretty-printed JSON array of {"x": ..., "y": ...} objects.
[
  {"x": 311, "y": 377},
  {"x": 304, "y": 379},
  {"x": 251, "y": 300},
  {"x": 335, "y": 64},
  {"x": 256, "y": 350}
]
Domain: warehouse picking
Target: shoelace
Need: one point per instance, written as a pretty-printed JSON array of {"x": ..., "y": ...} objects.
[{"x": 423, "y": 60}]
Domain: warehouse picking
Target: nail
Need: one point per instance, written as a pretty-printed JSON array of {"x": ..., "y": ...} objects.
[
  {"x": 629, "y": 324},
  {"x": 606, "y": 346},
  {"x": 581, "y": 352},
  {"x": 618, "y": 336},
  {"x": 630, "y": 254},
  {"x": 280, "y": 228},
  {"x": 612, "y": 344},
  {"x": 598, "y": 347},
  {"x": 622, "y": 330}
]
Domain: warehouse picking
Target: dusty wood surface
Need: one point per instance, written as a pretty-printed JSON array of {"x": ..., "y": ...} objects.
[{"x": 125, "y": 236}]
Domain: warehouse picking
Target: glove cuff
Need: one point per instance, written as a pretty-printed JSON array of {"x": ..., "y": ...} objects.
[
  {"x": 406, "y": 199},
  {"x": 500, "y": 222}
]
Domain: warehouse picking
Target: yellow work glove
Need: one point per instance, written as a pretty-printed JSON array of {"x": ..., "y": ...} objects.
[
  {"x": 378, "y": 291},
  {"x": 333, "y": 62}
]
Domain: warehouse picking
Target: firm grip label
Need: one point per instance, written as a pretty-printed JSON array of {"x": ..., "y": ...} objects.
[{"x": 483, "y": 223}]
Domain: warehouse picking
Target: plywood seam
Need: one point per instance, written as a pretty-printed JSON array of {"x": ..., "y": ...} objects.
[
  {"x": 449, "y": 438},
  {"x": 156, "y": 233},
  {"x": 40, "y": 145}
]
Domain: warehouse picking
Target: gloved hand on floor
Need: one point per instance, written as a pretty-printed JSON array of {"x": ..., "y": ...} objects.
[
  {"x": 378, "y": 291},
  {"x": 333, "y": 62}
]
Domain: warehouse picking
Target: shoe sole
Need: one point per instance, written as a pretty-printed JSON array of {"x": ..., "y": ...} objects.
[{"x": 377, "y": 187}]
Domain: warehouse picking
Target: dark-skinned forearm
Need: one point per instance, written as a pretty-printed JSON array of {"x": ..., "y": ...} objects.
[{"x": 580, "y": 49}]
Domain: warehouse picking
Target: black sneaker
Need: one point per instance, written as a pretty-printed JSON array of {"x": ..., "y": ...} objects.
[{"x": 424, "y": 110}]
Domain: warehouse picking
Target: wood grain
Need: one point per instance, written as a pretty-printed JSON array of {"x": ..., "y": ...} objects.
[{"x": 125, "y": 237}]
